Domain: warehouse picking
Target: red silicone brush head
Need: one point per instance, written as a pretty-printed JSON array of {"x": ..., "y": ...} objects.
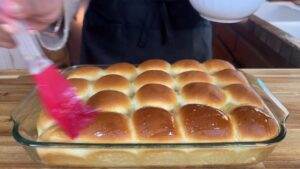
[{"x": 59, "y": 99}]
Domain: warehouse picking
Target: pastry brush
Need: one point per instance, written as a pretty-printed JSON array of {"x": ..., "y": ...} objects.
[{"x": 56, "y": 94}]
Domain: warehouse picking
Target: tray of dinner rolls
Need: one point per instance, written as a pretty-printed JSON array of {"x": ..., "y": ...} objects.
[{"x": 157, "y": 113}]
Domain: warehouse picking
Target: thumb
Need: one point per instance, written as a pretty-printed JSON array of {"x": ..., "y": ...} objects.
[{"x": 19, "y": 9}]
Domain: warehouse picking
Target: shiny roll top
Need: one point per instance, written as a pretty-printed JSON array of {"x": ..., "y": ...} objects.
[
  {"x": 108, "y": 127},
  {"x": 159, "y": 102},
  {"x": 110, "y": 101},
  {"x": 205, "y": 123},
  {"x": 154, "y": 124}
]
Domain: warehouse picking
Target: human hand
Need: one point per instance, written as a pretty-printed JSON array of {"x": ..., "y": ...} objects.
[{"x": 38, "y": 14}]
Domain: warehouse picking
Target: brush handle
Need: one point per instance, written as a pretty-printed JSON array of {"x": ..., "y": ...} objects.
[
  {"x": 30, "y": 49},
  {"x": 28, "y": 46}
]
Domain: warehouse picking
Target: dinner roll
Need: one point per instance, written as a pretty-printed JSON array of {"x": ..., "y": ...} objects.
[
  {"x": 242, "y": 95},
  {"x": 154, "y": 64},
  {"x": 203, "y": 93},
  {"x": 87, "y": 72},
  {"x": 112, "y": 82},
  {"x": 154, "y": 124},
  {"x": 155, "y": 95},
  {"x": 215, "y": 65},
  {"x": 191, "y": 77},
  {"x": 82, "y": 88},
  {"x": 126, "y": 70},
  {"x": 110, "y": 101},
  {"x": 108, "y": 128},
  {"x": 188, "y": 102},
  {"x": 205, "y": 124},
  {"x": 154, "y": 77},
  {"x": 229, "y": 76},
  {"x": 186, "y": 65},
  {"x": 253, "y": 124}
]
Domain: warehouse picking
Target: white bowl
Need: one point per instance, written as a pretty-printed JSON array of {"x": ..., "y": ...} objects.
[{"x": 226, "y": 11}]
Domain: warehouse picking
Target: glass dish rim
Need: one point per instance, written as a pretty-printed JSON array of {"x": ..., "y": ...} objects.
[{"x": 31, "y": 143}]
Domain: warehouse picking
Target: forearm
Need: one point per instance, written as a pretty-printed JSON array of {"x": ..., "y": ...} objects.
[{"x": 55, "y": 37}]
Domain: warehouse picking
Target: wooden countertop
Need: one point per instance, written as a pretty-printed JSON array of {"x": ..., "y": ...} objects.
[{"x": 284, "y": 83}]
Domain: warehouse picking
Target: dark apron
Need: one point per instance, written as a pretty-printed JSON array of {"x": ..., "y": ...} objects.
[{"x": 137, "y": 30}]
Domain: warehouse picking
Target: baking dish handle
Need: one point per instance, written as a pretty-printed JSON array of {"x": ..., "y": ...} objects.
[
  {"x": 272, "y": 103},
  {"x": 283, "y": 114}
]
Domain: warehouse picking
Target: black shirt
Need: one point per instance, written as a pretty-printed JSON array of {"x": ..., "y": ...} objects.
[{"x": 136, "y": 30}]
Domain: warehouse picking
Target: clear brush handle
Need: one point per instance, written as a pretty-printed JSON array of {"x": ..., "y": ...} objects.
[{"x": 30, "y": 49}]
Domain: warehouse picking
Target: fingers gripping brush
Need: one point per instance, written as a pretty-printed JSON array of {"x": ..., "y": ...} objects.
[{"x": 56, "y": 94}]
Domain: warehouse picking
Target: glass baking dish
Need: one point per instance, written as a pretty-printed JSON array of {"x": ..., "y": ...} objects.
[{"x": 146, "y": 155}]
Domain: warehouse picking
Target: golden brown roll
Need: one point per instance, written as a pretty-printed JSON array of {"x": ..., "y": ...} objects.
[
  {"x": 252, "y": 124},
  {"x": 44, "y": 122},
  {"x": 87, "y": 72},
  {"x": 186, "y": 65},
  {"x": 242, "y": 95},
  {"x": 112, "y": 82},
  {"x": 110, "y": 101},
  {"x": 154, "y": 77},
  {"x": 154, "y": 64},
  {"x": 154, "y": 124},
  {"x": 108, "y": 128},
  {"x": 230, "y": 76},
  {"x": 126, "y": 70},
  {"x": 191, "y": 77},
  {"x": 215, "y": 65},
  {"x": 203, "y": 93},
  {"x": 205, "y": 124},
  {"x": 155, "y": 95},
  {"x": 82, "y": 87}
]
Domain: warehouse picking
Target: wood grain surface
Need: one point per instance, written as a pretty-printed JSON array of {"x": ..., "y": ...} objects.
[{"x": 284, "y": 83}]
